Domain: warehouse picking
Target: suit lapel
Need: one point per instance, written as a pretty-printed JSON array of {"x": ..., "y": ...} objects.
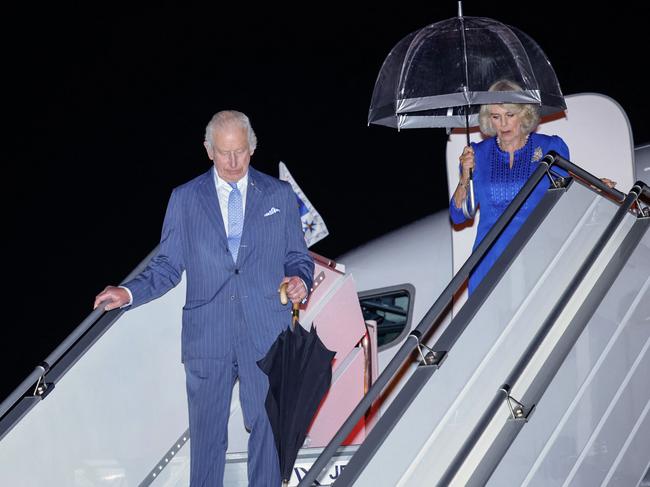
[
  {"x": 254, "y": 197},
  {"x": 210, "y": 202}
]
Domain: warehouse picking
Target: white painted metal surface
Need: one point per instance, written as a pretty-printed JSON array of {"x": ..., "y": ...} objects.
[
  {"x": 592, "y": 426},
  {"x": 540, "y": 359},
  {"x": 432, "y": 432},
  {"x": 113, "y": 415},
  {"x": 418, "y": 254}
]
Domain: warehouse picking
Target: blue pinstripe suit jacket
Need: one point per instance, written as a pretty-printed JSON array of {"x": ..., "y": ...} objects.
[{"x": 218, "y": 289}]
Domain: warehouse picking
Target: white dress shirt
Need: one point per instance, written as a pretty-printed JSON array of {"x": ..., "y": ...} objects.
[{"x": 223, "y": 193}]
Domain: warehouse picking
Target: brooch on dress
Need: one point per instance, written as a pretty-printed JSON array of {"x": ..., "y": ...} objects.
[{"x": 538, "y": 154}]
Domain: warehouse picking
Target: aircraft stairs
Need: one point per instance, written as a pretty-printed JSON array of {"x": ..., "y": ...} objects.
[{"x": 542, "y": 377}]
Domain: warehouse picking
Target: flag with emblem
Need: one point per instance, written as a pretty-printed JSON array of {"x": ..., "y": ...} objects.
[{"x": 313, "y": 225}]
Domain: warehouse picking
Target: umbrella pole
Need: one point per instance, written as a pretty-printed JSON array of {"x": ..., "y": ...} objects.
[
  {"x": 467, "y": 133},
  {"x": 295, "y": 313},
  {"x": 470, "y": 186}
]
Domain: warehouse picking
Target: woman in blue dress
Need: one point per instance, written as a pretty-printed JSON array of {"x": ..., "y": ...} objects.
[{"x": 501, "y": 165}]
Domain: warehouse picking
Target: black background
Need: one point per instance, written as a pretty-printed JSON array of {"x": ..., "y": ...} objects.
[{"x": 105, "y": 109}]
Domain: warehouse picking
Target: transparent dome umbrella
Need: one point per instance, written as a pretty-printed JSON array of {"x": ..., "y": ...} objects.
[{"x": 439, "y": 76}]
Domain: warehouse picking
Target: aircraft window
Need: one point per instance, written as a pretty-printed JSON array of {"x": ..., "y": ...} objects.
[{"x": 391, "y": 309}]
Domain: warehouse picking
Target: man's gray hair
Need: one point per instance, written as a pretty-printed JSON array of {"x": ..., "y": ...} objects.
[
  {"x": 226, "y": 118},
  {"x": 529, "y": 112}
]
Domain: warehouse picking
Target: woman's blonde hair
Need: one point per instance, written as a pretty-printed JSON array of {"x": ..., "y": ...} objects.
[{"x": 529, "y": 112}]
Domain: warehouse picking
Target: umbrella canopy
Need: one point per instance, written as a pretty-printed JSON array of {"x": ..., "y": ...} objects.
[
  {"x": 299, "y": 367},
  {"x": 439, "y": 75}
]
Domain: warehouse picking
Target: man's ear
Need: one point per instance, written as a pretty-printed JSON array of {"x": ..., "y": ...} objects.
[{"x": 208, "y": 148}]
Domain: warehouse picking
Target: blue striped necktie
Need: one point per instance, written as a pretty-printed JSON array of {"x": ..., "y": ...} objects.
[{"x": 235, "y": 220}]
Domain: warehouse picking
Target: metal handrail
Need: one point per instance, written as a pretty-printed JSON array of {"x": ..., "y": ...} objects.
[
  {"x": 435, "y": 311},
  {"x": 539, "y": 337},
  {"x": 43, "y": 368},
  {"x": 426, "y": 323}
]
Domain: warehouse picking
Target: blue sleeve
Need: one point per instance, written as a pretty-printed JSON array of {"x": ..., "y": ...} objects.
[
  {"x": 456, "y": 214},
  {"x": 165, "y": 269},
  {"x": 298, "y": 261},
  {"x": 558, "y": 145}
]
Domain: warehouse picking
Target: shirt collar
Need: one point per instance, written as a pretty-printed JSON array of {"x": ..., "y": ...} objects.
[{"x": 241, "y": 184}]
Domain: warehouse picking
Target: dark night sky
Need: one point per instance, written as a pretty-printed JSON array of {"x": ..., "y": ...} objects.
[{"x": 107, "y": 109}]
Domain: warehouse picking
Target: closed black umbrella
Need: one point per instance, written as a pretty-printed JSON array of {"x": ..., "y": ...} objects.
[{"x": 299, "y": 367}]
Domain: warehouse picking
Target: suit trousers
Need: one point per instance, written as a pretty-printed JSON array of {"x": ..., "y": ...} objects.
[{"x": 209, "y": 385}]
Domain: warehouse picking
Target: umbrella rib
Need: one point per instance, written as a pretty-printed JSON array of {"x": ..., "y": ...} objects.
[{"x": 465, "y": 62}]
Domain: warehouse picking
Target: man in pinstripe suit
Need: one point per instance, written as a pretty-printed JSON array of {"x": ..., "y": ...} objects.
[{"x": 232, "y": 313}]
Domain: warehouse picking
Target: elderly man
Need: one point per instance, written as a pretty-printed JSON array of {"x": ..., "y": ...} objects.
[{"x": 237, "y": 235}]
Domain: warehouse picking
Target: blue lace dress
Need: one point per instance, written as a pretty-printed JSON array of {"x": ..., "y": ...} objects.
[{"x": 496, "y": 185}]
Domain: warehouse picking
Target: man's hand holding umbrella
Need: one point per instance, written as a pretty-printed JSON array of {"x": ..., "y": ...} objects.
[{"x": 296, "y": 290}]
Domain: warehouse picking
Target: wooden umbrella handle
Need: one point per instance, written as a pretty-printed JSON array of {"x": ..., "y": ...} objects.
[{"x": 284, "y": 299}]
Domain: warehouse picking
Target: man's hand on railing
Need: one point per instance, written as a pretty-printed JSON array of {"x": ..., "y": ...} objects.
[
  {"x": 113, "y": 297},
  {"x": 608, "y": 182}
]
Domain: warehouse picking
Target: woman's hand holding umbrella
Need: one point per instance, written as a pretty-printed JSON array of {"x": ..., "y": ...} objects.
[{"x": 467, "y": 163}]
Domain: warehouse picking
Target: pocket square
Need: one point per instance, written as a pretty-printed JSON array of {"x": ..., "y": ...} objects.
[{"x": 272, "y": 211}]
